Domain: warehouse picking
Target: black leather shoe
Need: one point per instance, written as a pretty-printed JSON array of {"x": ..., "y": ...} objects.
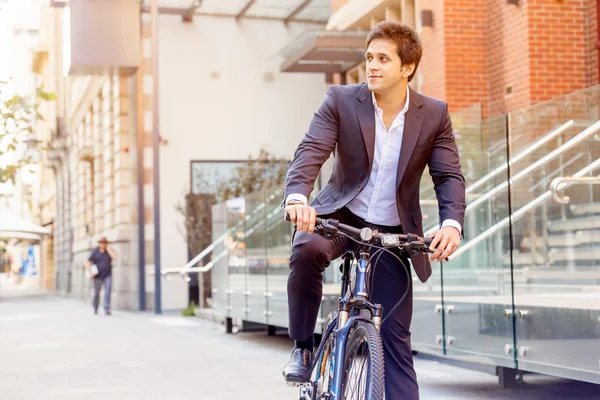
[{"x": 297, "y": 370}]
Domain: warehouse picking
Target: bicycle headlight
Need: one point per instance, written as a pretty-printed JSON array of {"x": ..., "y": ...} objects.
[{"x": 390, "y": 240}]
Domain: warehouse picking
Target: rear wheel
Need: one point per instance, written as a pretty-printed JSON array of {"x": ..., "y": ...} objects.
[{"x": 363, "y": 364}]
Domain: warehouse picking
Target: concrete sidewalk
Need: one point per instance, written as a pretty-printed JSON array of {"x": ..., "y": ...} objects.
[{"x": 55, "y": 348}]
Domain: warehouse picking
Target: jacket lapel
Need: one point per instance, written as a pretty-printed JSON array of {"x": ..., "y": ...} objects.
[
  {"x": 412, "y": 128},
  {"x": 366, "y": 119}
]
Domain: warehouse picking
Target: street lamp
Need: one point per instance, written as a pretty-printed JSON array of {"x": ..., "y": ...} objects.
[
  {"x": 32, "y": 153},
  {"x": 32, "y": 156}
]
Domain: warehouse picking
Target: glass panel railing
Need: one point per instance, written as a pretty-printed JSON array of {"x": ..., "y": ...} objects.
[
  {"x": 256, "y": 257},
  {"x": 236, "y": 265},
  {"x": 477, "y": 283},
  {"x": 557, "y": 246},
  {"x": 427, "y": 332},
  {"x": 427, "y": 322},
  {"x": 279, "y": 237},
  {"x": 548, "y": 266},
  {"x": 219, "y": 274}
]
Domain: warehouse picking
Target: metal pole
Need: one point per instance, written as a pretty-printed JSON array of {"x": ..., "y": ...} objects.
[{"x": 155, "y": 165}]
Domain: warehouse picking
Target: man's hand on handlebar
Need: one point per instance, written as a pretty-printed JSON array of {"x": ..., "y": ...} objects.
[
  {"x": 303, "y": 216},
  {"x": 445, "y": 242}
]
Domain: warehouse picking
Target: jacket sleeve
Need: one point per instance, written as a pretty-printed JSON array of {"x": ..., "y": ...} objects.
[
  {"x": 445, "y": 170},
  {"x": 314, "y": 149}
]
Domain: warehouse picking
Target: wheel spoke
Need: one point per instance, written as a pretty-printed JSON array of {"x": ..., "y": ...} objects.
[
  {"x": 363, "y": 372},
  {"x": 357, "y": 374}
]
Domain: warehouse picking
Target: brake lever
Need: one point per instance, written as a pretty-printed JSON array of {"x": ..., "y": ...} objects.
[
  {"x": 413, "y": 248},
  {"x": 327, "y": 229}
]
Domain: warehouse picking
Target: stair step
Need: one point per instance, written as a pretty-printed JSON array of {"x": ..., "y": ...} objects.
[
  {"x": 583, "y": 209},
  {"x": 587, "y": 251},
  {"x": 575, "y": 224},
  {"x": 553, "y": 240},
  {"x": 568, "y": 239},
  {"x": 575, "y": 254},
  {"x": 520, "y": 259}
]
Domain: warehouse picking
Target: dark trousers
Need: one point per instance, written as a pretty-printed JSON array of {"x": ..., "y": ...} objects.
[
  {"x": 311, "y": 254},
  {"x": 107, "y": 281}
]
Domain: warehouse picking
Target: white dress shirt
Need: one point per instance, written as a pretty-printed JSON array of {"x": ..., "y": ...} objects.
[{"x": 376, "y": 203}]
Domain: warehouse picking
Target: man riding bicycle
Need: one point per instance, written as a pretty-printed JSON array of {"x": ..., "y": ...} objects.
[{"x": 384, "y": 134}]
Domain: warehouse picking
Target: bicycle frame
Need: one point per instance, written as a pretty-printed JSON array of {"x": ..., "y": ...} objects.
[
  {"x": 359, "y": 300},
  {"x": 341, "y": 325}
]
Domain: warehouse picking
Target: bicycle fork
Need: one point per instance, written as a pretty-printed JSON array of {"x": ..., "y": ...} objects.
[{"x": 360, "y": 295}]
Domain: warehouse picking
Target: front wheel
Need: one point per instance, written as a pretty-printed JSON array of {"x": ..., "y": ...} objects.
[{"x": 363, "y": 364}]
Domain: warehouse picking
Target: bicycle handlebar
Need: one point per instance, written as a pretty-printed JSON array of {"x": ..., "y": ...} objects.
[{"x": 369, "y": 235}]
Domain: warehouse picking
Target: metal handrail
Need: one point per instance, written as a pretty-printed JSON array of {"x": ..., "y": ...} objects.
[
  {"x": 590, "y": 130},
  {"x": 519, "y": 213},
  {"x": 563, "y": 182},
  {"x": 189, "y": 267},
  {"x": 186, "y": 268},
  {"x": 544, "y": 160},
  {"x": 528, "y": 150},
  {"x": 204, "y": 268},
  {"x": 557, "y": 171},
  {"x": 218, "y": 257}
]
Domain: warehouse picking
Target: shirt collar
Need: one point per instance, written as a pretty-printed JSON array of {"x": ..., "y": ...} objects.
[{"x": 404, "y": 110}]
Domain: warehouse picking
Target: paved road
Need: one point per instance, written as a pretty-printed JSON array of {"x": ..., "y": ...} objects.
[{"x": 55, "y": 348}]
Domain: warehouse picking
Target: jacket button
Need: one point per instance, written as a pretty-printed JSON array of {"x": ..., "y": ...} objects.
[{"x": 360, "y": 188}]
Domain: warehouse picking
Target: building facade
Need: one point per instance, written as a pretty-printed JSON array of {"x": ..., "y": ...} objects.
[
  {"x": 87, "y": 175},
  {"x": 491, "y": 56},
  {"x": 222, "y": 99}
]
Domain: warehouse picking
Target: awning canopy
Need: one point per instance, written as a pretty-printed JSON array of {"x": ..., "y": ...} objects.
[
  {"x": 13, "y": 226},
  {"x": 284, "y": 10},
  {"x": 324, "y": 51},
  {"x": 305, "y": 11}
]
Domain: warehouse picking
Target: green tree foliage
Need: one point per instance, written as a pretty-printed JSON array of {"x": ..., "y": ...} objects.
[{"x": 18, "y": 116}]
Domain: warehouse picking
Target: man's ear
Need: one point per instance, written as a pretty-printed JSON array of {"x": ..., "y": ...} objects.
[{"x": 407, "y": 70}]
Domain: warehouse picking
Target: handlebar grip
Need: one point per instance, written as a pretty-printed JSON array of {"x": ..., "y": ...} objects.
[
  {"x": 317, "y": 220},
  {"x": 428, "y": 240}
]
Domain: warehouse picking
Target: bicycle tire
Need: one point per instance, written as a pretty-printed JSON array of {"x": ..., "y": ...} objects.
[{"x": 373, "y": 378}]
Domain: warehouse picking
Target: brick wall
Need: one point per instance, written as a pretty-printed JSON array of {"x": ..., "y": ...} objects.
[
  {"x": 432, "y": 68},
  {"x": 465, "y": 49},
  {"x": 505, "y": 56},
  {"x": 508, "y": 64},
  {"x": 591, "y": 51},
  {"x": 557, "y": 48}
]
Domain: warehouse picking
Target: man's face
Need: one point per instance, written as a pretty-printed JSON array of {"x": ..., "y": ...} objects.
[
  {"x": 102, "y": 245},
  {"x": 384, "y": 67}
]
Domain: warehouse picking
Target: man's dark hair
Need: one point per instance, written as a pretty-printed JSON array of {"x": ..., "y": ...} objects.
[{"x": 410, "y": 48}]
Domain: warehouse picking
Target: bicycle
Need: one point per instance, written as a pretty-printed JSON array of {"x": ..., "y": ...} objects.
[{"x": 351, "y": 338}]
